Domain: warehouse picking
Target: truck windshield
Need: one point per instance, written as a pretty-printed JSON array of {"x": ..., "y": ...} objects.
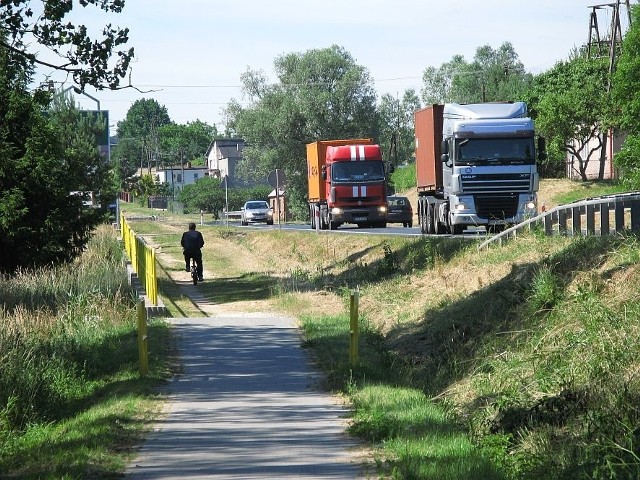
[
  {"x": 361, "y": 171},
  {"x": 492, "y": 151}
]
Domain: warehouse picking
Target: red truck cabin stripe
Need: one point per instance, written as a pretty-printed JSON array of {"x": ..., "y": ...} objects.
[{"x": 354, "y": 153}]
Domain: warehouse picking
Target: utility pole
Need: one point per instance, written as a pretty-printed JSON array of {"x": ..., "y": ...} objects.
[
  {"x": 613, "y": 43},
  {"x": 614, "y": 39}
]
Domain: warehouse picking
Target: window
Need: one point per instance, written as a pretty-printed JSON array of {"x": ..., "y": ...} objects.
[{"x": 368, "y": 171}]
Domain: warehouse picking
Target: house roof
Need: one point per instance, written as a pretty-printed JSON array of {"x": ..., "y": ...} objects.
[
  {"x": 178, "y": 169},
  {"x": 228, "y": 147}
]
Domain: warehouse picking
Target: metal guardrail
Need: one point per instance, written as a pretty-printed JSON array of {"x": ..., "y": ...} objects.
[
  {"x": 605, "y": 215},
  {"x": 236, "y": 214},
  {"x": 143, "y": 260}
]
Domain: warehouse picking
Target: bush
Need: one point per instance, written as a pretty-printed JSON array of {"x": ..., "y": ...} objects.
[
  {"x": 403, "y": 178},
  {"x": 59, "y": 330},
  {"x": 627, "y": 160}
]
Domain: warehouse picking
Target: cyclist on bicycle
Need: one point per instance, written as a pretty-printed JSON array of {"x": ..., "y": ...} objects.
[{"x": 192, "y": 242}]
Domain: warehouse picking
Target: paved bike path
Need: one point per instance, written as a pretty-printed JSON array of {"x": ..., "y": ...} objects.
[{"x": 246, "y": 406}]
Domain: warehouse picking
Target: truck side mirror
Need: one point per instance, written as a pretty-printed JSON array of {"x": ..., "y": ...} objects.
[
  {"x": 444, "y": 149},
  {"x": 323, "y": 173}
]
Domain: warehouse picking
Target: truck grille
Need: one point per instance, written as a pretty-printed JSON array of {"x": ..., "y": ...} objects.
[
  {"x": 496, "y": 207},
  {"x": 376, "y": 199},
  {"x": 506, "y": 182}
]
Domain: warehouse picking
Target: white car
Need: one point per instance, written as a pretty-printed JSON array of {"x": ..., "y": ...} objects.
[{"x": 255, "y": 211}]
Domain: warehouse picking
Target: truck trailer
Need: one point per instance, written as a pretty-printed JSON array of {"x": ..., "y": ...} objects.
[
  {"x": 475, "y": 166},
  {"x": 347, "y": 183}
]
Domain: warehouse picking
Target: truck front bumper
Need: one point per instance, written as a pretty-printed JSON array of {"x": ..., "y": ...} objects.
[
  {"x": 358, "y": 214},
  {"x": 467, "y": 211}
]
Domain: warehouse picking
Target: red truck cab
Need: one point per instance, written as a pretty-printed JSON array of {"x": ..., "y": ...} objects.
[{"x": 347, "y": 184}]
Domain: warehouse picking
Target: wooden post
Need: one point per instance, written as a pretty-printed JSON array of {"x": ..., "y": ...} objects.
[
  {"x": 143, "y": 351},
  {"x": 354, "y": 331}
]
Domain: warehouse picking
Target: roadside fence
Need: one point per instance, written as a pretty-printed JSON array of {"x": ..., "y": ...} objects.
[
  {"x": 143, "y": 260},
  {"x": 601, "y": 216}
]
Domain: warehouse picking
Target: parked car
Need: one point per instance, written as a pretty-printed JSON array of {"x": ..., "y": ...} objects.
[
  {"x": 399, "y": 210},
  {"x": 255, "y": 211}
]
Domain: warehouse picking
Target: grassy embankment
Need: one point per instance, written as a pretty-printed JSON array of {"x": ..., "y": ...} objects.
[
  {"x": 520, "y": 362},
  {"x": 71, "y": 401},
  {"x": 514, "y": 363}
]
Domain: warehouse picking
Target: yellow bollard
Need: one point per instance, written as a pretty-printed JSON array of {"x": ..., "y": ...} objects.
[
  {"x": 143, "y": 351},
  {"x": 354, "y": 332}
]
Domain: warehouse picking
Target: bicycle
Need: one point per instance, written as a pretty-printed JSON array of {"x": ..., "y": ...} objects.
[{"x": 194, "y": 271}]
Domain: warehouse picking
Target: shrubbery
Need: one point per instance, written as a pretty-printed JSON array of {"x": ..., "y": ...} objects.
[{"x": 60, "y": 330}]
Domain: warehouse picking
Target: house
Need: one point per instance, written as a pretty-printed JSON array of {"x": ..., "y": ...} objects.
[
  {"x": 223, "y": 156},
  {"x": 177, "y": 177},
  {"x": 279, "y": 204}
]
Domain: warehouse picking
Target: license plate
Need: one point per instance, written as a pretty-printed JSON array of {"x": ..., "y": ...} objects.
[{"x": 360, "y": 219}]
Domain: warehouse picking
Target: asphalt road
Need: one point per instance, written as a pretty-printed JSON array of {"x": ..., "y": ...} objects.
[
  {"x": 391, "y": 229},
  {"x": 246, "y": 406}
]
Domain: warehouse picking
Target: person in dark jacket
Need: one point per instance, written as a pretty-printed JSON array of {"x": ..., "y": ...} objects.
[{"x": 192, "y": 242}]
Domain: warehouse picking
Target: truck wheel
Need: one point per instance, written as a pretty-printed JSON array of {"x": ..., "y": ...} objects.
[
  {"x": 438, "y": 228},
  {"x": 430, "y": 221}
]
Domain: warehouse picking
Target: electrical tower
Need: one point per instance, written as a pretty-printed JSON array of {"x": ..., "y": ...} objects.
[{"x": 609, "y": 44}]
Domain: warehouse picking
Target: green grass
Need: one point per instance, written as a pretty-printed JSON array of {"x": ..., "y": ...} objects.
[
  {"x": 517, "y": 362},
  {"x": 72, "y": 403},
  {"x": 536, "y": 374},
  {"x": 413, "y": 436},
  {"x": 584, "y": 190}
]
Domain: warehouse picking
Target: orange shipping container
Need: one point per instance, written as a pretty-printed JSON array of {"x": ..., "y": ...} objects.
[{"x": 428, "y": 128}]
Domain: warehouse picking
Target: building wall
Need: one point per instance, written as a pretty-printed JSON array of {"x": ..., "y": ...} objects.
[
  {"x": 174, "y": 177},
  {"x": 282, "y": 210},
  {"x": 223, "y": 157},
  {"x": 614, "y": 143}
]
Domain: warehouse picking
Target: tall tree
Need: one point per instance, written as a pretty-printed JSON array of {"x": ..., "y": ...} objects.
[
  {"x": 626, "y": 94},
  {"x": 49, "y": 151},
  {"x": 492, "y": 76},
  {"x": 46, "y": 157},
  {"x": 320, "y": 94},
  {"x": 186, "y": 143},
  {"x": 397, "y": 136},
  {"x": 571, "y": 105},
  {"x": 90, "y": 61},
  {"x": 437, "y": 82},
  {"x": 138, "y": 137}
]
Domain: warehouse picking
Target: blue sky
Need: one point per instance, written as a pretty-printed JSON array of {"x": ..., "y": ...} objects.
[{"x": 191, "y": 53}]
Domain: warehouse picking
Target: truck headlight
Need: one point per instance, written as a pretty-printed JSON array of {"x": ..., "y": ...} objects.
[
  {"x": 382, "y": 209},
  {"x": 460, "y": 206},
  {"x": 270, "y": 213},
  {"x": 336, "y": 210},
  {"x": 530, "y": 205}
]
